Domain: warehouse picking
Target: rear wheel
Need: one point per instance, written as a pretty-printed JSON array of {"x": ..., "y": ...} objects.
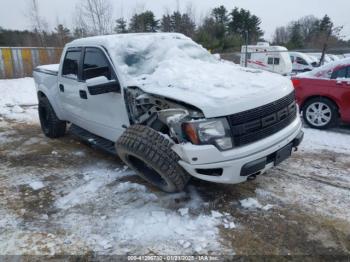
[
  {"x": 50, "y": 124},
  {"x": 150, "y": 155},
  {"x": 320, "y": 113}
]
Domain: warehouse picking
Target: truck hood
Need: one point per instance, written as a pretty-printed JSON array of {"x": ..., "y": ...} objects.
[
  {"x": 217, "y": 88},
  {"x": 172, "y": 65}
]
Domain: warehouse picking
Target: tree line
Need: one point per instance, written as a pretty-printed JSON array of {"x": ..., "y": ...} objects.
[
  {"x": 220, "y": 30},
  {"x": 310, "y": 32}
]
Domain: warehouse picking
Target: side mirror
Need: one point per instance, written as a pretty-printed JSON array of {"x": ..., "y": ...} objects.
[{"x": 101, "y": 85}]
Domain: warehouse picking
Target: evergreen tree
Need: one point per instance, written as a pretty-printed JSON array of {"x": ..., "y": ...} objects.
[
  {"x": 144, "y": 22},
  {"x": 121, "y": 26},
  {"x": 165, "y": 24},
  {"x": 326, "y": 24},
  {"x": 177, "y": 22},
  {"x": 296, "y": 39},
  {"x": 63, "y": 34},
  {"x": 220, "y": 17},
  {"x": 243, "y": 21},
  {"x": 188, "y": 26},
  {"x": 309, "y": 32},
  {"x": 206, "y": 35},
  {"x": 221, "y": 31},
  {"x": 220, "y": 14}
]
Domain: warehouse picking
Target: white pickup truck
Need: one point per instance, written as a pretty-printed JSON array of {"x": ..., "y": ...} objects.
[{"x": 169, "y": 108}]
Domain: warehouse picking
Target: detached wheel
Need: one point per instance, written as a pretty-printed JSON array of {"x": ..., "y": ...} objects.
[
  {"x": 50, "y": 124},
  {"x": 320, "y": 113},
  {"x": 150, "y": 155}
]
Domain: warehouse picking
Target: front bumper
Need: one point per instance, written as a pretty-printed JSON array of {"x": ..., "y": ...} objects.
[{"x": 235, "y": 166}]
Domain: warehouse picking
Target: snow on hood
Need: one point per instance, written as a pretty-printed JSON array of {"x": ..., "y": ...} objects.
[{"x": 173, "y": 66}]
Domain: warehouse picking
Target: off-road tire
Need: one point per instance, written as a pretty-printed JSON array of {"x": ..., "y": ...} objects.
[
  {"x": 149, "y": 153},
  {"x": 51, "y": 126},
  {"x": 334, "y": 119}
]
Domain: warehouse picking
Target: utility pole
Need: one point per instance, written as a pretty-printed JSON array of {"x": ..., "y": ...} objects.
[
  {"x": 178, "y": 5},
  {"x": 246, "y": 48}
]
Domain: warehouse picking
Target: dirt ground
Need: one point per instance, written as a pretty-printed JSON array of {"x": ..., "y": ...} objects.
[{"x": 63, "y": 197}]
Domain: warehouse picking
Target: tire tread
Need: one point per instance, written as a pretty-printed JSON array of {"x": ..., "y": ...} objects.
[{"x": 155, "y": 150}]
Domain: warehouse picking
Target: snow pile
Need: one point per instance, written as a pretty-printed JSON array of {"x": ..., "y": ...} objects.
[
  {"x": 8, "y": 136},
  {"x": 173, "y": 65},
  {"x": 96, "y": 180},
  {"x": 252, "y": 203},
  {"x": 18, "y": 99},
  {"x": 142, "y": 222},
  {"x": 316, "y": 140},
  {"x": 36, "y": 185}
]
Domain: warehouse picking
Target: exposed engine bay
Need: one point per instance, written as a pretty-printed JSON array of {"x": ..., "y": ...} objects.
[{"x": 162, "y": 114}]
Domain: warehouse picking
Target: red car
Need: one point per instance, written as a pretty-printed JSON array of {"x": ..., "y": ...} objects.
[{"x": 324, "y": 94}]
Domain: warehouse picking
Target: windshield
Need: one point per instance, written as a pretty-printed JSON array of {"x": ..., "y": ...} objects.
[{"x": 144, "y": 56}]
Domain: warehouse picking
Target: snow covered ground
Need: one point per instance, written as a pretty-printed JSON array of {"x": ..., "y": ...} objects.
[
  {"x": 61, "y": 197},
  {"x": 18, "y": 99}
]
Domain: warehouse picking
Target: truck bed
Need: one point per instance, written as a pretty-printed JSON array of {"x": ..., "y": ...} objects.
[
  {"x": 48, "y": 69},
  {"x": 46, "y": 77}
]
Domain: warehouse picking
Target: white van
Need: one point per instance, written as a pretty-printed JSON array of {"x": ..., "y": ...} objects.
[
  {"x": 334, "y": 57},
  {"x": 301, "y": 62},
  {"x": 270, "y": 58},
  {"x": 326, "y": 59}
]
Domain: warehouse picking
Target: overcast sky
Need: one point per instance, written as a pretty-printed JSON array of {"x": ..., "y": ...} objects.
[{"x": 273, "y": 13}]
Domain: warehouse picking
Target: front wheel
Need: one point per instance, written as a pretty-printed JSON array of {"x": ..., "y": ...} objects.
[
  {"x": 320, "y": 113},
  {"x": 149, "y": 153}
]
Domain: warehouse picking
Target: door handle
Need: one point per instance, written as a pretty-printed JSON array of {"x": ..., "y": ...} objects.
[
  {"x": 83, "y": 94},
  {"x": 61, "y": 87}
]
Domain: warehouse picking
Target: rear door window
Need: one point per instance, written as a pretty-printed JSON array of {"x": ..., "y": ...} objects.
[{"x": 71, "y": 64}]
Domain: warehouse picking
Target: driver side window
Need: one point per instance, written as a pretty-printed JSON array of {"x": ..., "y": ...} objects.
[
  {"x": 96, "y": 64},
  {"x": 301, "y": 61}
]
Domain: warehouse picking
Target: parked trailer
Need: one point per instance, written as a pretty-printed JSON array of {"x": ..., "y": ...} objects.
[{"x": 270, "y": 58}]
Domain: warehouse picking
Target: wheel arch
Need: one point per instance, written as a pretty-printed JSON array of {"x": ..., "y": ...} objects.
[
  {"x": 319, "y": 96},
  {"x": 42, "y": 94}
]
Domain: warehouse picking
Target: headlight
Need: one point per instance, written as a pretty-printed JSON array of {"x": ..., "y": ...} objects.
[{"x": 209, "y": 132}]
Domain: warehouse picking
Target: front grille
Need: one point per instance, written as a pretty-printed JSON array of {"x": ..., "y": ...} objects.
[{"x": 255, "y": 124}]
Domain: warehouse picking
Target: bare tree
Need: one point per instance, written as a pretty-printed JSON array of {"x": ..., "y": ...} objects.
[
  {"x": 38, "y": 23},
  {"x": 94, "y": 16},
  {"x": 281, "y": 35},
  {"x": 191, "y": 11}
]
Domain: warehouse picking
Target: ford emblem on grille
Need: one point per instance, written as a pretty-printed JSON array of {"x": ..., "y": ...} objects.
[{"x": 269, "y": 119}]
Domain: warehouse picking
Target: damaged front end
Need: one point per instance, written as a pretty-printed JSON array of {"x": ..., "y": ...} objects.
[
  {"x": 161, "y": 114},
  {"x": 183, "y": 123}
]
